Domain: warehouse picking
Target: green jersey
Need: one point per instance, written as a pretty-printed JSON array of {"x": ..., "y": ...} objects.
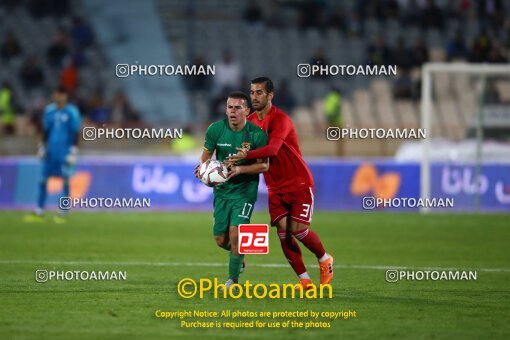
[{"x": 224, "y": 140}]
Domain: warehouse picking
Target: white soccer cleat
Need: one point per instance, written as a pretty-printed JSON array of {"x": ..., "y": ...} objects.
[
  {"x": 229, "y": 286},
  {"x": 229, "y": 283}
]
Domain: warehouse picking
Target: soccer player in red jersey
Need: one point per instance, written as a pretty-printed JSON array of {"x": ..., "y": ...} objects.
[{"x": 289, "y": 182}]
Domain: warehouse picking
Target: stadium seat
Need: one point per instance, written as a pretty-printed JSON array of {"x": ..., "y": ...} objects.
[
  {"x": 437, "y": 54},
  {"x": 503, "y": 88},
  {"x": 363, "y": 108},
  {"x": 381, "y": 87},
  {"x": 304, "y": 120},
  {"x": 449, "y": 113},
  {"x": 349, "y": 118},
  {"x": 406, "y": 111},
  {"x": 441, "y": 85},
  {"x": 436, "y": 120},
  {"x": 386, "y": 113}
]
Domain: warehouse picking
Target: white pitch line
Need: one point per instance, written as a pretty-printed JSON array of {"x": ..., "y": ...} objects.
[{"x": 218, "y": 264}]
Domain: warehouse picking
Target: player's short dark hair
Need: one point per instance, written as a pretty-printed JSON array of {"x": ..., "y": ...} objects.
[
  {"x": 268, "y": 83},
  {"x": 240, "y": 95},
  {"x": 61, "y": 89}
]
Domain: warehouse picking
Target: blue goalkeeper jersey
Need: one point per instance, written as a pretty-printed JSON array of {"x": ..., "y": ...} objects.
[{"x": 61, "y": 126}]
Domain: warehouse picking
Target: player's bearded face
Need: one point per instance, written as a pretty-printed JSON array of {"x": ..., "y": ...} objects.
[{"x": 258, "y": 96}]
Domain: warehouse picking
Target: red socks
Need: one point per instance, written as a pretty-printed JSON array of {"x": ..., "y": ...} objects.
[
  {"x": 292, "y": 252},
  {"x": 312, "y": 241}
]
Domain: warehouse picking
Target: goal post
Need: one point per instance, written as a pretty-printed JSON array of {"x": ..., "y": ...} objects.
[{"x": 483, "y": 71}]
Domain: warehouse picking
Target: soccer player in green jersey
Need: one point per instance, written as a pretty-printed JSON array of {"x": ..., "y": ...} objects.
[{"x": 234, "y": 199}]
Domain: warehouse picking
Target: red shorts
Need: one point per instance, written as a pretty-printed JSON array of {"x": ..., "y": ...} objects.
[{"x": 297, "y": 204}]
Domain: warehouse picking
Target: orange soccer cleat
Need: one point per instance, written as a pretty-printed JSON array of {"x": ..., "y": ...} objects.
[
  {"x": 326, "y": 268},
  {"x": 304, "y": 284}
]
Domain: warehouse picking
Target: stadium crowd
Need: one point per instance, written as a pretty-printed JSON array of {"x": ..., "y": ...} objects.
[
  {"x": 65, "y": 50},
  {"x": 425, "y": 14},
  {"x": 60, "y": 62}
]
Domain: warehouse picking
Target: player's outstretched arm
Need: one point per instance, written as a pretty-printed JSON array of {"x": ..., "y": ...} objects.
[
  {"x": 269, "y": 150},
  {"x": 280, "y": 128},
  {"x": 261, "y": 166}
]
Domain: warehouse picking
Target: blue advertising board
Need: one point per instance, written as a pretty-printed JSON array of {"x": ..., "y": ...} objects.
[{"x": 339, "y": 184}]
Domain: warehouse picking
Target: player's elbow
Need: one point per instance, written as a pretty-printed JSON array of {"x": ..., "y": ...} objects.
[{"x": 273, "y": 152}]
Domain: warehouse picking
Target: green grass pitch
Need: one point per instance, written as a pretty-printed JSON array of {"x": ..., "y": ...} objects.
[{"x": 150, "y": 246}]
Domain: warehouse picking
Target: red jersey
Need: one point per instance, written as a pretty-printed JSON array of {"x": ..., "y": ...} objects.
[{"x": 288, "y": 171}]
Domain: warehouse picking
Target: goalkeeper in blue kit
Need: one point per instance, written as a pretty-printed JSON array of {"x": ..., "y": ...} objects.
[{"x": 58, "y": 150}]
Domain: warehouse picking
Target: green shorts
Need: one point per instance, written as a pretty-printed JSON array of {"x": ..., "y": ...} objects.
[{"x": 231, "y": 212}]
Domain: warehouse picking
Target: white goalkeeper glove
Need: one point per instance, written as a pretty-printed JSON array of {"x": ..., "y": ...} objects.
[
  {"x": 41, "y": 151},
  {"x": 72, "y": 157}
]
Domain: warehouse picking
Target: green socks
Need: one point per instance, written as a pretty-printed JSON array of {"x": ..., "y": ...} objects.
[{"x": 234, "y": 266}]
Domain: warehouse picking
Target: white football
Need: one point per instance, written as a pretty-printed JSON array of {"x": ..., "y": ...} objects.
[{"x": 212, "y": 172}]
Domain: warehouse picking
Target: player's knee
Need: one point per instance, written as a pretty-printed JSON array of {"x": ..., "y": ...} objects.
[
  {"x": 297, "y": 227},
  {"x": 281, "y": 226},
  {"x": 220, "y": 241}
]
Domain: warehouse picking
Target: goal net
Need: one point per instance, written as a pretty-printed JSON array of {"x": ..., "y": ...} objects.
[{"x": 465, "y": 109}]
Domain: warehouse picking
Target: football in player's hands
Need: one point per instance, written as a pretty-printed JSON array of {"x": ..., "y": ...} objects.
[{"x": 212, "y": 173}]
